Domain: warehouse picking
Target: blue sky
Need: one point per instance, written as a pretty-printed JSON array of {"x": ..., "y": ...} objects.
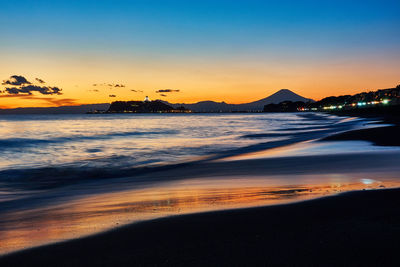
[
  {"x": 204, "y": 25},
  {"x": 216, "y": 34}
]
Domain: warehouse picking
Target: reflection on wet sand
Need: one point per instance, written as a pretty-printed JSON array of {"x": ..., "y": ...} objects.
[{"x": 92, "y": 214}]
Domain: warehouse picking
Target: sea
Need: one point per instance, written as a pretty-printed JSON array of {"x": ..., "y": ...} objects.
[{"x": 68, "y": 176}]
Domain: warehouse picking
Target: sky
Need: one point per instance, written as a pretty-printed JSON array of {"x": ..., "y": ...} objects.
[{"x": 81, "y": 52}]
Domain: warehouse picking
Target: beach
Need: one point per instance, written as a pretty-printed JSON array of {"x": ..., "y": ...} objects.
[
  {"x": 199, "y": 133},
  {"x": 318, "y": 198},
  {"x": 352, "y": 229}
]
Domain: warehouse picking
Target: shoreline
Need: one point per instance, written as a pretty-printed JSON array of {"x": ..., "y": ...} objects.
[
  {"x": 381, "y": 136},
  {"x": 389, "y": 114},
  {"x": 352, "y": 164},
  {"x": 354, "y": 228}
]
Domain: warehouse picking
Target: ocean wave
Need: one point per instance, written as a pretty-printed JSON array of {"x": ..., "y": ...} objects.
[
  {"x": 304, "y": 129},
  {"x": 22, "y": 142},
  {"x": 55, "y": 166}
]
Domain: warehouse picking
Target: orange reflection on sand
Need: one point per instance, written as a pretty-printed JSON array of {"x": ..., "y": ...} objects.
[{"x": 93, "y": 214}]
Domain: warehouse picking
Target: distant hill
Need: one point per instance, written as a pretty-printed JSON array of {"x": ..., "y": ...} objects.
[
  {"x": 381, "y": 97},
  {"x": 211, "y": 106},
  {"x": 57, "y": 110},
  {"x": 205, "y": 106}
]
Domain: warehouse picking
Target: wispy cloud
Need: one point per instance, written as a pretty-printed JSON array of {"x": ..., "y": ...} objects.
[
  {"x": 40, "y": 80},
  {"x": 112, "y": 96},
  {"x": 61, "y": 102},
  {"x": 51, "y": 100},
  {"x": 115, "y": 85},
  {"x": 167, "y": 91}
]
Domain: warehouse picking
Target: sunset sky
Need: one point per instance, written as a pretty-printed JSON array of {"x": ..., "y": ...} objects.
[{"x": 235, "y": 51}]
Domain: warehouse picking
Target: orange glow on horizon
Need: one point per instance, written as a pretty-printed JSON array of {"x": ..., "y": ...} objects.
[{"x": 230, "y": 81}]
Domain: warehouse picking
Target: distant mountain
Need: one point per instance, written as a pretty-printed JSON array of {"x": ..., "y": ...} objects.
[
  {"x": 206, "y": 106},
  {"x": 276, "y": 98},
  {"x": 57, "y": 110},
  {"x": 203, "y": 106}
]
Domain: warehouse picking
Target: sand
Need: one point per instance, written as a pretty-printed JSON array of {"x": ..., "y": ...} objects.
[{"x": 352, "y": 229}]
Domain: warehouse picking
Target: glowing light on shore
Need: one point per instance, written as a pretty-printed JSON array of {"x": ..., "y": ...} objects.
[{"x": 368, "y": 181}]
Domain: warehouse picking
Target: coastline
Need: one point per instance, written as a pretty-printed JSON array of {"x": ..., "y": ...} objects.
[
  {"x": 349, "y": 229},
  {"x": 200, "y": 133},
  {"x": 381, "y": 136},
  {"x": 354, "y": 164},
  {"x": 389, "y": 114}
]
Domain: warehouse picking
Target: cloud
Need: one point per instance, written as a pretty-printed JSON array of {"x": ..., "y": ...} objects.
[
  {"x": 112, "y": 96},
  {"x": 19, "y": 96},
  {"x": 163, "y": 95},
  {"x": 137, "y": 91},
  {"x": 16, "y": 80},
  {"x": 44, "y": 90},
  {"x": 110, "y": 85},
  {"x": 167, "y": 91},
  {"x": 61, "y": 102},
  {"x": 21, "y": 86},
  {"x": 51, "y": 100}
]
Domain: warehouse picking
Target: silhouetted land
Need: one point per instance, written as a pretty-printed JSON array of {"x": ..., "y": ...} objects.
[
  {"x": 352, "y": 229},
  {"x": 363, "y": 101},
  {"x": 143, "y": 107},
  {"x": 389, "y": 114},
  {"x": 285, "y": 106}
]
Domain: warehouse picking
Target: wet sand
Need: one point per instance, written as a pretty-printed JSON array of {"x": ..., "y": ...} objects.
[
  {"x": 74, "y": 211},
  {"x": 92, "y": 214},
  {"x": 352, "y": 229}
]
